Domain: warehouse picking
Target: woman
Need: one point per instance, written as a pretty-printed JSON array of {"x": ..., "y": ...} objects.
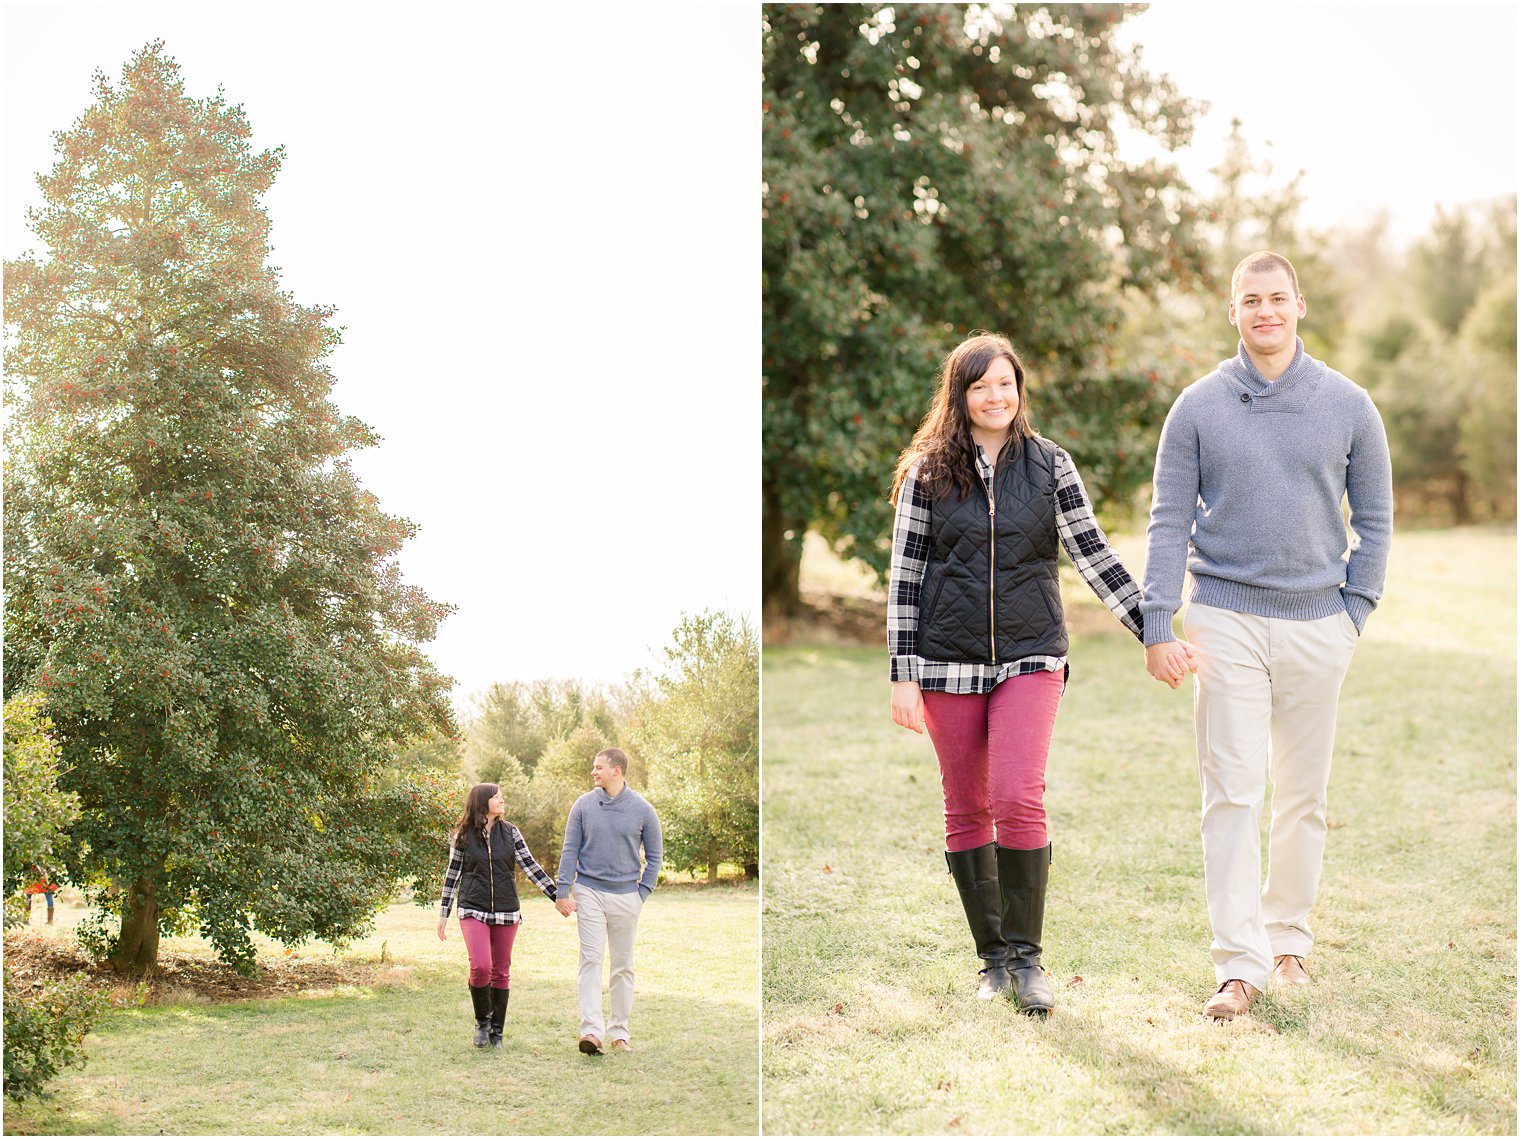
[
  {"x": 484, "y": 849},
  {"x": 978, "y": 643}
]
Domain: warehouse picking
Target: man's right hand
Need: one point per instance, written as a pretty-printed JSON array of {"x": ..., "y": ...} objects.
[
  {"x": 566, "y": 906},
  {"x": 908, "y": 705},
  {"x": 1170, "y": 661}
]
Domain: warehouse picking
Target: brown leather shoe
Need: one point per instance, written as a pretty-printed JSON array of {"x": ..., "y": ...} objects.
[
  {"x": 1233, "y": 999},
  {"x": 1288, "y": 972},
  {"x": 590, "y": 1045},
  {"x": 621, "y": 1045}
]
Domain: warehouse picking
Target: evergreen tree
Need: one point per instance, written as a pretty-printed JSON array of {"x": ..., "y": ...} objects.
[
  {"x": 697, "y": 726},
  {"x": 196, "y": 581}
]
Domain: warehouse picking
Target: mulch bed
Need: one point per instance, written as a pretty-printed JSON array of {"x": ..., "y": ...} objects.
[
  {"x": 35, "y": 957},
  {"x": 828, "y": 619}
]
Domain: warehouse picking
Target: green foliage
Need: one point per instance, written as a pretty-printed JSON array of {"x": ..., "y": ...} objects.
[
  {"x": 543, "y": 801},
  {"x": 1183, "y": 332},
  {"x": 537, "y": 739},
  {"x": 45, "y": 1030},
  {"x": 691, "y": 730},
  {"x": 440, "y": 751},
  {"x": 1434, "y": 341},
  {"x": 37, "y": 812},
  {"x": 520, "y": 720},
  {"x": 930, "y": 170},
  {"x": 697, "y": 725},
  {"x": 196, "y": 580}
]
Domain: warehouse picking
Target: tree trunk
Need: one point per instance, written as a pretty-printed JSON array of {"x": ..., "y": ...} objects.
[
  {"x": 137, "y": 948},
  {"x": 780, "y": 559},
  {"x": 1461, "y": 506},
  {"x": 751, "y": 870}
]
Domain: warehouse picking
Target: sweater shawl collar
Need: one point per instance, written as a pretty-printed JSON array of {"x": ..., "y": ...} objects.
[{"x": 1243, "y": 374}]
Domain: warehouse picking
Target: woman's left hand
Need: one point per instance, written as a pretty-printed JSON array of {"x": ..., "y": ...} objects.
[{"x": 443, "y": 929}]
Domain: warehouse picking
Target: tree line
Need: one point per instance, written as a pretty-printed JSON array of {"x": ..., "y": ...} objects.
[{"x": 690, "y": 727}]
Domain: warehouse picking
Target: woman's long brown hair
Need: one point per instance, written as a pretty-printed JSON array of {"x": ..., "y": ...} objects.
[
  {"x": 477, "y": 806},
  {"x": 943, "y": 440}
]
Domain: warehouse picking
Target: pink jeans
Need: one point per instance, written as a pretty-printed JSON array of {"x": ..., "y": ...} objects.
[
  {"x": 490, "y": 950},
  {"x": 992, "y": 751}
]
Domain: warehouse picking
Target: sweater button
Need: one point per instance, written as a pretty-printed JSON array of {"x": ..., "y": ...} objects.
[{"x": 1245, "y": 397}]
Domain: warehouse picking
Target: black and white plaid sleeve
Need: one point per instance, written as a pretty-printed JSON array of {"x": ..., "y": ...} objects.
[
  {"x": 534, "y": 871},
  {"x": 451, "y": 880},
  {"x": 1088, "y": 548},
  {"x": 910, "y": 556}
]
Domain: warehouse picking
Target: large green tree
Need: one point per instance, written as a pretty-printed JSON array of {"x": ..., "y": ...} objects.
[
  {"x": 196, "y": 581},
  {"x": 933, "y": 169},
  {"x": 696, "y": 724}
]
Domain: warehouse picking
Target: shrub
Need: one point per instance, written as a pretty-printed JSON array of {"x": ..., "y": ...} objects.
[{"x": 45, "y": 1030}]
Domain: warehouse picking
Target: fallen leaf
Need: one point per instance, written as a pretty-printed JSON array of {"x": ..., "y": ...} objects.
[
  {"x": 954, "y": 1121},
  {"x": 943, "y": 1085},
  {"x": 839, "y": 1008},
  {"x": 827, "y": 869},
  {"x": 1075, "y": 981}
]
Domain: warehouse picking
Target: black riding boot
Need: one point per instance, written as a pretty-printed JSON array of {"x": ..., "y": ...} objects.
[
  {"x": 976, "y": 879},
  {"x": 1023, "y": 875},
  {"x": 498, "y": 1014},
  {"x": 481, "y": 998}
]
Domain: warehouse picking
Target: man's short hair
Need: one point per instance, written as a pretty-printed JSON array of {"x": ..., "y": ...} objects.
[
  {"x": 615, "y": 757},
  {"x": 1262, "y": 261}
]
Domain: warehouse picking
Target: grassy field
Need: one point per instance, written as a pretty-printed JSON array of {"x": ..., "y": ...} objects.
[
  {"x": 870, "y": 1022},
  {"x": 393, "y": 1056}
]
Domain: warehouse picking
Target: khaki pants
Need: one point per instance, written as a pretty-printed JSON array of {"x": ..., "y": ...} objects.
[
  {"x": 606, "y": 922},
  {"x": 1264, "y": 703}
]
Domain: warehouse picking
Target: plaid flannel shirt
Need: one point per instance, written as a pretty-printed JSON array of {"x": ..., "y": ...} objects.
[
  {"x": 1084, "y": 542},
  {"x": 525, "y": 859}
]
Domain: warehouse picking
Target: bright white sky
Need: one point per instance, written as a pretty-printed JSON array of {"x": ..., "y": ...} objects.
[
  {"x": 1384, "y": 106},
  {"x": 541, "y": 232},
  {"x": 542, "y": 236}
]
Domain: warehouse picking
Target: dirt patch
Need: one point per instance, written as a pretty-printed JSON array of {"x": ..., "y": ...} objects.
[
  {"x": 35, "y": 958},
  {"x": 834, "y": 619},
  {"x": 830, "y": 619}
]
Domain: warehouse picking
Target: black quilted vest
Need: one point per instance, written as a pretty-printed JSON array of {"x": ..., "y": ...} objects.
[
  {"x": 488, "y": 882},
  {"x": 991, "y": 592}
]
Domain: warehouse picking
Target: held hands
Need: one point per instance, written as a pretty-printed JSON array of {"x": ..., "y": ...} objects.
[
  {"x": 1170, "y": 661},
  {"x": 908, "y": 705},
  {"x": 566, "y": 906}
]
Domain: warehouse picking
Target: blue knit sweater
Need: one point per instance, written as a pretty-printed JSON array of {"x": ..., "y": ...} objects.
[
  {"x": 602, "y": 840},
  {"x": 1249, "y": 479}
]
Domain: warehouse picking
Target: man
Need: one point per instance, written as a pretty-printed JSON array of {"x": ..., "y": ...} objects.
[
  {"x": 603, "y": 835},
  {"x": 1253, "y": 462}
]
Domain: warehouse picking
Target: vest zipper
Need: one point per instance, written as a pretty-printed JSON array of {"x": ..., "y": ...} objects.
[
  {"x": 491, "y": 870},
  {"x": 992, "y": 569}
]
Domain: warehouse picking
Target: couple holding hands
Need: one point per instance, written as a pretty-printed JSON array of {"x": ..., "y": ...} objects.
[
  {"x": 1253, "y": 462},
  {"x": 602, "y": 880}
]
